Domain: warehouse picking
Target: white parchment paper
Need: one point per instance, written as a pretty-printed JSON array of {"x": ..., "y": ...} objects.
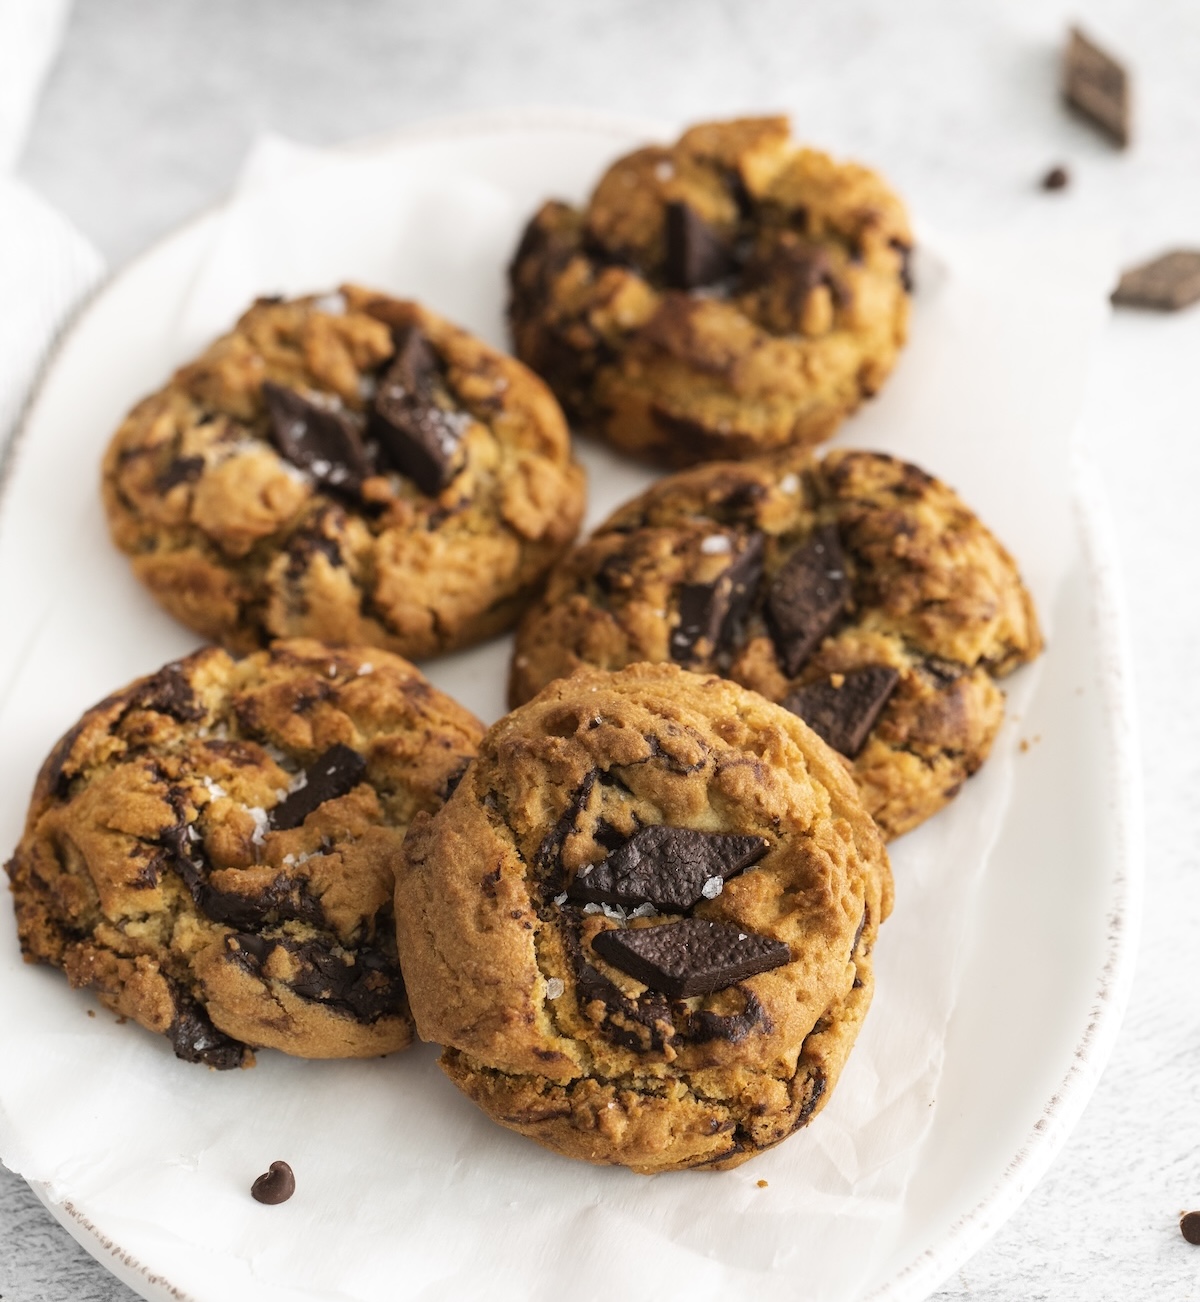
[{"x": 404, "y": 1189}]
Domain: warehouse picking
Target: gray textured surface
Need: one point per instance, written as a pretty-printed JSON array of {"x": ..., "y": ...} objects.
[{"x": 152, "y": 106}]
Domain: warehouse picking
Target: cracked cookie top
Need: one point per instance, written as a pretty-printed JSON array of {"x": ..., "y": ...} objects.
[
  {"x": 211, "y": 850},
  {"x": 719, "y": 297},
  {"x": 856, "y": 590},
  {"x": 642, "y": 925},
  {"x": 348, "y": 467}
]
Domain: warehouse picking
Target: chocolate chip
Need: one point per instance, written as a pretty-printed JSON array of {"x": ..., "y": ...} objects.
[
  {"x": 843, "y": 715},
  {"x": 709, "y": 613},
  {"x": 1057, "y": 178},
  {"x": 704, "y": 1026},
  {"x": 806, "y": 598},
  {"x": 1166, "y": 284},
  {"x": 1189, "y": 1226},
  {"x": 180, "y": 470},
  {"x": 790, "y": 270},
  {"x": 365, "y": 983},
  {"x": 667, "y": 867},
  {"x": 905, "y": 250},
  {"x": 420, "y": 438},
  {"x": 697, "y": 255},
  {"x": 315, "y": 438},
  {"x": 1097, "y": 87},
  {"x": 691, "y": 957},
  {"x": 276, "y": 1186},
  {"x": 338, "y": 771}
]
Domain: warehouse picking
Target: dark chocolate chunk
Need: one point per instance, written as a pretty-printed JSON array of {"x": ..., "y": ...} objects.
[
  {"x": 422, "y": 439},
  {"x": 806, "y": 598},
  {"x": 336, "y": 772},
  {"x": 182, "y": 470},
  {"x": 1166, "y": 284},
  {"x": 790, "y": 270},
  {"x": 1189, "y": 1226},
  {"x": 196, "y": 1039},
  {"x": 1057, "y": 178},
  {"x": 276, "y": 1186},
  {"x": 315, "y": 438},
  {"x": 710, "y": 613},
  {"x": 168, "y": 692},
  {"x": 1097, "y": 87},
  {"x": 704, "y": 1026},
  {"x": 697, "y": 255},
  {"x": 667, "y": 867},
  {"x": 365, "y": 982},
  {"x": 690, "y": 957},
  {"x": 843, "y": 715}
]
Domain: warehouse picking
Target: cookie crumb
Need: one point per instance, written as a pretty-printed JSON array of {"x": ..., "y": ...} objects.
[
  {"x": 1189, "y": 1226},
  {"x": 275, "y": 1185},
  {"x": 91, "y": 1012},
  {"x": 762, "y": 1184},
  {"x": 1057, "y": 178}
]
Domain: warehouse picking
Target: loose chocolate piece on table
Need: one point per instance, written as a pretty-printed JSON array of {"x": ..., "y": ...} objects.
[
  {"x": 1165, "y": 284},
  {"x": 1189, "y": 1226},
  {"x": 1097, "y": 86},
  {"x": 843, "y": 713},
  {"x": 336, "y": 772},
  {"x": 275, "y": 1186},
  {"x": 1057, "y": 178},
  {"x": 696, "y": 254},
  {"x": 315, "y": 438},
  {"x": 667, "y": 867},
  {"x": 690, "y": 957},
  {"x": 806, "y": 597},
  {"x": 420, "y": 438},
  {"x": 709, "y": 612}
]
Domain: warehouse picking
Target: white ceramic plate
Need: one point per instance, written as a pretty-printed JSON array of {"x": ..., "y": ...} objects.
[{"x": 1048, "y": 952}]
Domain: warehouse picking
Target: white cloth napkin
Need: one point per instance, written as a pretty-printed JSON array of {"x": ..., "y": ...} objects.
[{"x": 46, "y": 266}]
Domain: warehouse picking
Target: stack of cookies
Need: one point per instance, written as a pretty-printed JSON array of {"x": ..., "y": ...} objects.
[{"x": 638, "y": 912}]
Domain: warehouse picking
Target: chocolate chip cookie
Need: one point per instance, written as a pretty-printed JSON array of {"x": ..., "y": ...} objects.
[
  {"x": 857, "y": 590},
  {"x": 211, "y": 850},
  {"x": 351, "y": 468},
  {"x": 642, "y": 926},
  {"x": 720, "y": 297}
]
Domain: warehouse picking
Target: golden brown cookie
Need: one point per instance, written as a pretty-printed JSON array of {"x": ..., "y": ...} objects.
[
  {"x": 723, "y": 296},
  {"x": 351, "y": 468},
  {"x": 642, "y": 926},
  {"x": 857, "y": 590},
  {"x": 211, "y": 850}
]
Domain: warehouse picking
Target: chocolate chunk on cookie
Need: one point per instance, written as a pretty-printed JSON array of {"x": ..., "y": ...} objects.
[
  {"x": 421, "y": 437},
  {"x": 806, "y": 598},
  {"x": 710, "y": 612},
  {"x": 667, "y": 867},
  {"x": 210, "y": 850},
  {"x": 690, "y": 957},
  {"x": 696, "y": 1037},
  {"x": 722, "y": 296},
  {"x": 318, "y": 439},
  {"x": 842, "y": 708},
  {"x": 696, "y": 253},
  {"x": 884, "y": 614},
  {"x": 349, "y": 467}
]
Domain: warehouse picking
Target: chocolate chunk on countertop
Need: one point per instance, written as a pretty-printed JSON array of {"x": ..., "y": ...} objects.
[
  {"x": 696, "y": 254},
  {"x": 807, "y": 597},
  {"x": 1057, "y": 178},
  {"x": 338, "y": 771},
  {"x": 690, "y": 957},
  {"x": 316, "y": 438},
  {"x": 1097, "y": 87},
  {"x": 1189, "y": 1226},
  {"x": 668, "y": 867},
  {"x": 1165, "y": 284},
  {"x": 420, "y": 438},
  {"x": 842, "y": 709}
]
